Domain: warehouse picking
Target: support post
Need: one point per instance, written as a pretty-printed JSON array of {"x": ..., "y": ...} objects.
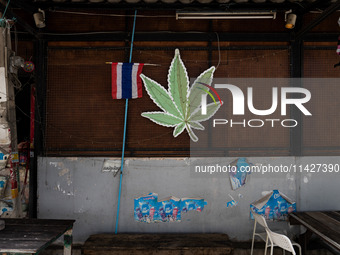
[
  {"x": 296, "y": 67},
  {"x": 68, "y": 239},
  {"x": 296, "y": 74},
  {"x": 40, "y": 49}
]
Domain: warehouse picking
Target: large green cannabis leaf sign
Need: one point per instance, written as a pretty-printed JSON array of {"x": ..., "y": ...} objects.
[{"x": 181, "y": 104}]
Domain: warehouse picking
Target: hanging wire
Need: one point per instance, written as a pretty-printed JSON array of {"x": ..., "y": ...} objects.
[
  {"x": 219, "y": 62},
  {"x": 219, "y": 50},
  {"x": 3, "y": 15},
  {"x": 115, "y": 15}
]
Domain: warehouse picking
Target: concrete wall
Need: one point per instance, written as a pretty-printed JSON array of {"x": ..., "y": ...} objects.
[{"x": 76, "y": 188}]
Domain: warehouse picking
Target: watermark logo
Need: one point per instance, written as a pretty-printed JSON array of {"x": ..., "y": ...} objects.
[
  {"x": 239, "y": 100},
  {"x": 204, "y": 97},
  {"x": 243, "y": 102}
]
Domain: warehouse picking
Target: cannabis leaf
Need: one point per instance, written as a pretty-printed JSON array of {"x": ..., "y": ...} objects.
[{"x": 181, "y": 104}]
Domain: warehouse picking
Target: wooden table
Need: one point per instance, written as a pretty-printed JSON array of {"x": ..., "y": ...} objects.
[
  {"x": 155, "y": 244},
  {"x": 325, "y": 225},
  {"x": 34, "y": 235}
]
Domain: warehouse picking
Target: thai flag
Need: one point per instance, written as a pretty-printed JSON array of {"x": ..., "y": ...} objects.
[{"x": 126, "y": 81}]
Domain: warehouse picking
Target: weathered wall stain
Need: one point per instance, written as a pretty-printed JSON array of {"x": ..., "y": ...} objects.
[{"x": 78, "y": 189}]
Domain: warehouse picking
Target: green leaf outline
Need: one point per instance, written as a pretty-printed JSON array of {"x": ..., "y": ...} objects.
[
  {"x": 196, "y": 90},
  {"x": 192, "y": 135},
  {"x": 197, "y": 116},
  {"x": 162, "y": 118},
  {"x": 178, "y": 82},
  {"x": 179, "y": 129},
  {"x": 196, "y": 125},
  {"x": 160, "y": 96}
]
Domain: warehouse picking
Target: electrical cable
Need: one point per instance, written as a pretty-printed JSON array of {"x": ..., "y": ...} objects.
[
  {"x": 115, "y": 15},
  {"x": 3, "y": 15}
]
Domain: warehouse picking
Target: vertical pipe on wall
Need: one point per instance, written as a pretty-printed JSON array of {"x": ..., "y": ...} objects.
[{"x": 124, "y": 135}]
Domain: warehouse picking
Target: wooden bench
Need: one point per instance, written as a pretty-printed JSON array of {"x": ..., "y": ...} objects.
[
  {"x": 34, "y": 235},
  {"x": 325, "y": 225},
  {"x": 160, "y": 244}
]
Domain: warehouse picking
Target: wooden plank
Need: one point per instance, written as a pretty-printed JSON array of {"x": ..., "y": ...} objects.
[
  {"x": 326, "y": 233},
  {"x": 55, "y": 238},
  {"x": 40, "y": 222},
  {"x": 31, "y": 235},
  {"x": 27, "y": 232},
  {"x": 21, "y": 247},
  {"x": 313, "y": 223},
  {"x": 145, "y": 240},
  {"x": 193, "y": 251},
  {"x": 27, "y": 236},
  {"x": 334, "y": 215},
  {"x": 33, "y": 228},
  {"x": 17, "y": 251},
  {"x": 158, "y": 244},
  {"x": 325, "y": 221}
]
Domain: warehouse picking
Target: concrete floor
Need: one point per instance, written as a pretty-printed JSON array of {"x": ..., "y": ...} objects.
[
  {"x": 58, "y": 250},
  {"x": 279, "y": 252}
]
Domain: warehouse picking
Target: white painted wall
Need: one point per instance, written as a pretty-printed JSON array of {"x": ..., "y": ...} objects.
[{"x": 76, "y": 188}]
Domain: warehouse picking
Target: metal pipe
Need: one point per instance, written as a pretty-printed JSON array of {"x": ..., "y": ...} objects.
[{"x": 124, "y": 136}]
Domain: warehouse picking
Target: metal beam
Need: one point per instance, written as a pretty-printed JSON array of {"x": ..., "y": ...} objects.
[
  {"x": 169, "y": 36},
  {"x": 173, "y": 36},
  {"x": 318, "y": 4},
  {"x": 123, "y": 5},
  {"x": 318, "y": 20}
]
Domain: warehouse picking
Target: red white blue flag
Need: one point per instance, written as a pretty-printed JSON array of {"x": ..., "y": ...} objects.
[{"x": 126, "y": 81}]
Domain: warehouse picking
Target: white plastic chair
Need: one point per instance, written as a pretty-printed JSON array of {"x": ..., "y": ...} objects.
[
  {"x": 281, "y": 241},
  {"x": 264, "y": 235}
]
